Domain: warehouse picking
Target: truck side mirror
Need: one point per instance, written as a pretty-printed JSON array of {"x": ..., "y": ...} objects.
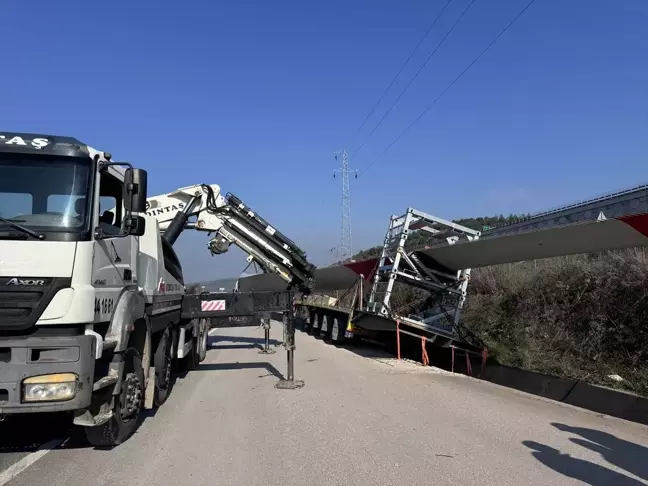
[
  {"x": 135, "y": 190},
  {"x": 135, "y": 225}
]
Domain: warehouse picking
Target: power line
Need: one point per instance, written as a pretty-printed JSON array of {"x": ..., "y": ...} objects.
[
  {"x": 429, "y": 107},
  {"x": 415, "y": 76},
  {"x": 399, "y": 72}
]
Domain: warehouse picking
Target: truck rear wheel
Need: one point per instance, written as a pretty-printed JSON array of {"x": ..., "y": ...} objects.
[
  {"x": 126, "y": 408},
  {"x": 162, "y": 362},
  {"x": 192, "y": 360},
  {"x": 203, "y": 337},
  {"x": 198, "y": 347}
]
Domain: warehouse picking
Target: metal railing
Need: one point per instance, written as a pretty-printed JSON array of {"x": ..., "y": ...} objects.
[{"x": 567, "y": 207}]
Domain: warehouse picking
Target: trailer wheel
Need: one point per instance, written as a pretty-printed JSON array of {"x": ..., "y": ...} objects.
[
  {"x": 312, "y": 316},
  {"x": 304, "y": 322},
  {"x": 162, "y": 360},
  {"x": 126, "y": 408},
  {"x": 325, "y": 326},
  {"x": 337, "y": 331},
  {"x": 316, "y": 322}
]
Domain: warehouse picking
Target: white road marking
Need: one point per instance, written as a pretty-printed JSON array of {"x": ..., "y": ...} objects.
[{"x": 15, "y": 469}]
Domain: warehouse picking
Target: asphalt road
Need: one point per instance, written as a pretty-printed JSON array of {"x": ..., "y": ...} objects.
[{"x": 361, "y": 419}]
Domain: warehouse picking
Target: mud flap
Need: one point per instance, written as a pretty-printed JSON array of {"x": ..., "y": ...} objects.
[{"x": 150, "y": 389}]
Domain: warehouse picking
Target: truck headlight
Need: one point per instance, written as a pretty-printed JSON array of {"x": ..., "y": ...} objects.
[{"x": 46, "y": 388}]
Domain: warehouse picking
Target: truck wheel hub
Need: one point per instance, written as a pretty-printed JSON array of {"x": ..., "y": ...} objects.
[
  {"x": 131, "y": 397},
  {"x": 166, "y": 373}
]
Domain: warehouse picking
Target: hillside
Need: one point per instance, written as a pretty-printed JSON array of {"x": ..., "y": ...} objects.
[{"x": 581, "y": 316}]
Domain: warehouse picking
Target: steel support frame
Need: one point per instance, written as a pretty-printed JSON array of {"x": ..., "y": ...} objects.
[{"x": 396, "y": 265}]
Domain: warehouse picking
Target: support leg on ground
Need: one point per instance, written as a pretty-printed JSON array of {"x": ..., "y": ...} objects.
[
  {"x": 289, "y": 383},
  {"x": 283, "y": 322},
  {"x": 266, "y": 345}
]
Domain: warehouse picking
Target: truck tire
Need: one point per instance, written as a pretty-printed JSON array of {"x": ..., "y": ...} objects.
[
  {"x": 191, "y": 362},
  {"x": 162, "y": 360},
  {"x": 126, "y": 408},
  {"x": 203, "y": 338}
]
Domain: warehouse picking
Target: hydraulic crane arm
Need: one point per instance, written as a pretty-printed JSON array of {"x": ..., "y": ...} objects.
[{"x": 203, "y": 208}]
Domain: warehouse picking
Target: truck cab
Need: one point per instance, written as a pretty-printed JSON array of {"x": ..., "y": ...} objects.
[{"x": 82, "y": 279}]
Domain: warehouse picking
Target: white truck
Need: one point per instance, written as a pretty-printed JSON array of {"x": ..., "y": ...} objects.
[{"x": 91, "y": 290}]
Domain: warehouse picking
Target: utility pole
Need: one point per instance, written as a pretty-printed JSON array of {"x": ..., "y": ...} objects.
[{"x": 346, "y": 242}]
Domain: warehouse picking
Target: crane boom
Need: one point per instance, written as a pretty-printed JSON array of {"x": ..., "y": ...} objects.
[{"x": 203, "y": 208}]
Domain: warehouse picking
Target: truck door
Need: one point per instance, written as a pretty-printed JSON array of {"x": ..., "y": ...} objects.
[{"x": 113, "y": 267}]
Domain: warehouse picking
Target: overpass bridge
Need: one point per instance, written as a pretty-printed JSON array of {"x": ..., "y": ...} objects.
[{"x": 632, "y": 200}]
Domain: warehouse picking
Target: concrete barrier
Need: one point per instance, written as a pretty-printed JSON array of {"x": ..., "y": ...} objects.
[
  {"x": 539, "y": 384},
  {"x": 608, "y": 401},
  {"x": 617, "y": 403}
]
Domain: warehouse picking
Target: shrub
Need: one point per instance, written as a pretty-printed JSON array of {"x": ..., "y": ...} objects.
[{"x": 582, "y": 317}]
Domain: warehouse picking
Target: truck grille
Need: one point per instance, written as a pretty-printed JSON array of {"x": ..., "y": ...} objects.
[{"x": 23, "y": 300}]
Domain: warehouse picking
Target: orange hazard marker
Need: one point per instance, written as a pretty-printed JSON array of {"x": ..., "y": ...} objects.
[
  {"x": 398, "y": 353},
  {"x": 484, "y": 358},
  {"x": 424, "y": 355}
]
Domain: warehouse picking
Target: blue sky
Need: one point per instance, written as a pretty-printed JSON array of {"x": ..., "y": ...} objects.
[{"x": 256, "y": 96}]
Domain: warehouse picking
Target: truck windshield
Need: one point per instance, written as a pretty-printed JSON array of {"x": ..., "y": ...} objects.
[{"x": 44, "y": 193}]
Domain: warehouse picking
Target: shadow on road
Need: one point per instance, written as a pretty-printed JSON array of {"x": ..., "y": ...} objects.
[
  {"x": 364, "y": 348},
  {"x": 238, "y": 342},
  {"x": 621, "y": 453},
  {"x": 272, "y": 371},
  {"x": 26, "y": 433},
  {"x": 216, "y": 340},
  {"x": 235, "y": 346}
]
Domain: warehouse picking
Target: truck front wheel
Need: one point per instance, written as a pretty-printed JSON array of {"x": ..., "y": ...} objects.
[{"x": 126, "y": 408}]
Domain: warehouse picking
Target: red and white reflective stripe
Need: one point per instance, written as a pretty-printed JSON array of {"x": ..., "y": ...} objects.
[{"x": 212, "y": 305}]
